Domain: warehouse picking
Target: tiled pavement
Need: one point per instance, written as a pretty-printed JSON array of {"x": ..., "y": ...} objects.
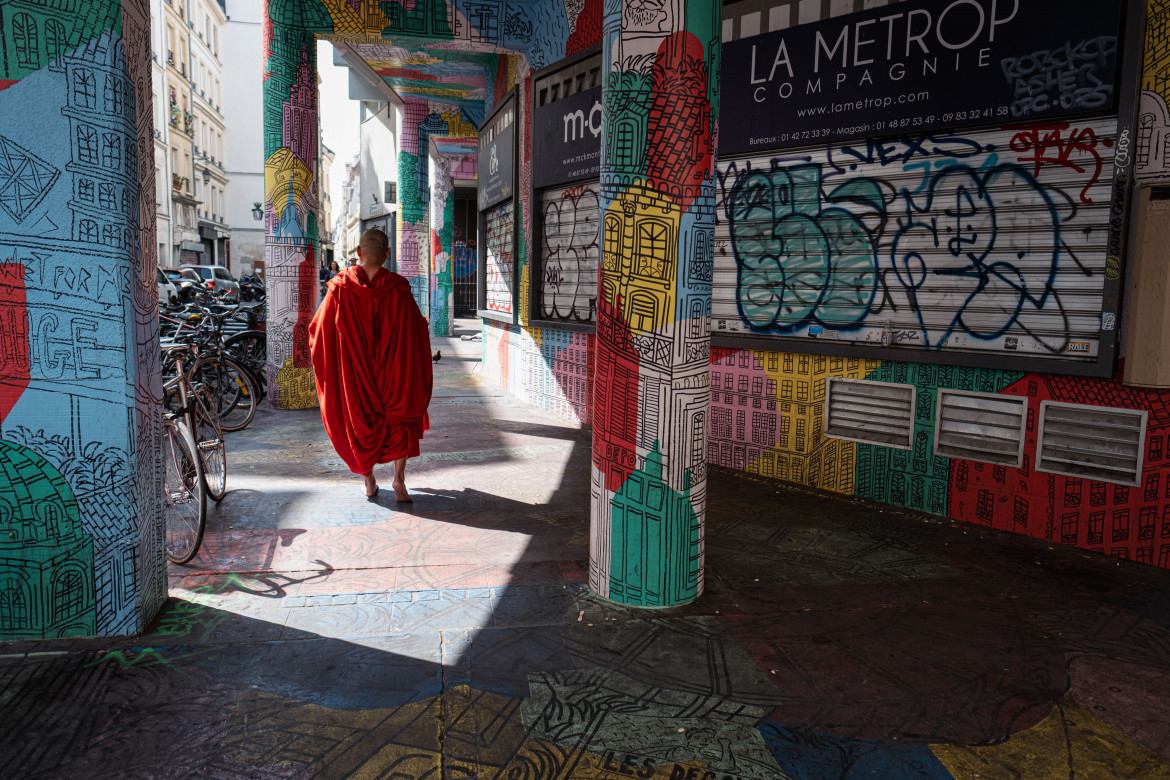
[{"x": 321, "y": 635}]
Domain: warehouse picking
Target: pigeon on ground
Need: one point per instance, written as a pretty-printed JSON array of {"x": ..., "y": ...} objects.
[{"x": 438, "y": 355}]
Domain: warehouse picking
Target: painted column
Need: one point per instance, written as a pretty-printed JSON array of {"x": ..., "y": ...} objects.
[
  {"x": 81, "y": 549},
  {"x": 291, "y": 232},
  {"x": 651, "y": 397}
]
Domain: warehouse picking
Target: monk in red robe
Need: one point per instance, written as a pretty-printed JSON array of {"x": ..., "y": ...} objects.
[{"x": 372, "y": 360}]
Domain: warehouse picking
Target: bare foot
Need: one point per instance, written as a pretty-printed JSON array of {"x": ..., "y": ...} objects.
[
  {"x": 371, "y": 485},
  {"x": 401, "y": 495}
]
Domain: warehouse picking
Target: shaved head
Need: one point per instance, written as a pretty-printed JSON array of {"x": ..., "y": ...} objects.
[{"x": 374, "y": 245}]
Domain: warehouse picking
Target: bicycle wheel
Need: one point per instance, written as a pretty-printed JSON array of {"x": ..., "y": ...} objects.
[
  {"x": 210, "y": 443},
  {"x": 250, "y": 348},
  {"x": 184, "y": 494},
  {"x": 231, "y": 386}
]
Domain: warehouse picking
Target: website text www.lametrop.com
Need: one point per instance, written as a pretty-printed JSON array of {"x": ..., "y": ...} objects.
[{"x": 923, "y": 121}]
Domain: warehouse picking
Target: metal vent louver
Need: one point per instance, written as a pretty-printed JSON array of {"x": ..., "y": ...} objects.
[
  {"x": 870, "y": 412},
  {"x": 980, "y": 426},
  {"x": 1096, "y": 442}
]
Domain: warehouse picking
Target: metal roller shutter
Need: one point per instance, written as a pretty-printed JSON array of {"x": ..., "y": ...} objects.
[
  {"x": 500, "y": 235},
  {"x": 569, "y": 252},
  {"x": 977, "y": 242}
]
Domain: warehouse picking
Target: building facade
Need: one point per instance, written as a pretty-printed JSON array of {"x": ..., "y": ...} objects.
[
  {"x": 242, "y": 45},
  {"x": 207, "y": 20}
]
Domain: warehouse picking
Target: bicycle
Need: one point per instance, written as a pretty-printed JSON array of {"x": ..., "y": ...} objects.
[
  {"x": 231, "y": 382},
  {"x": 185, "y": 480}
]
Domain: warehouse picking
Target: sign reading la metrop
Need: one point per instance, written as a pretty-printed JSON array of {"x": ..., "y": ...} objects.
[
  {"x": 497, "y": 156},
  {"x": 566, "y": 139},
  {"x": 917, "y": 65}
]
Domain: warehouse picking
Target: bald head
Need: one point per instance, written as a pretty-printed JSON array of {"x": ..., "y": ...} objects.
[{"x": 374, "y": 247}]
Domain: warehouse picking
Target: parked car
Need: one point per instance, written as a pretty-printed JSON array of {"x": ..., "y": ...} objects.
[
  {"x": 217, "y": 279},
  {"x": 168, "y": 294},
  {"x": 186, "y": 281}
]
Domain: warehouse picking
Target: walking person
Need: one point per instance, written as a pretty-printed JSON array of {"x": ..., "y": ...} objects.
[{"x": 372, "y": 360}]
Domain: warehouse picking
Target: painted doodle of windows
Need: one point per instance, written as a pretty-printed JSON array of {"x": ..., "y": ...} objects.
[
  {"x": 106, "y": 196},
  {"x": 14, "y": 611},
  {"x": 625, "y": 144},
  {"x": 55, "y": 39},
  {"x": 87, "y": 230},
  {"x": 643, "y": 311},
  {"x": 111, "y": 150},
  {"x": 84, "y": 89},
  {"x": 653, "y": 237},
  {"x": 26, "y": 41},
  {"x": 87, "y": 145},
  {"x": 113, "y": 95},
  {"x": 111, "y": 235},
  {"x": 68, "y": 593},
  {"x": 85, "y": 190}
]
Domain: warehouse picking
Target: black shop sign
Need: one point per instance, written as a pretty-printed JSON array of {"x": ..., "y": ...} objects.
[
  {"x": 566, "y": 139},
  {"x": 919, "y": 65},
  {"x": 497, "y": 155}
]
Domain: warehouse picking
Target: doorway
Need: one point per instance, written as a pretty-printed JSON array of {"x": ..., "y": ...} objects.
[{"x": 463, "y": 253}]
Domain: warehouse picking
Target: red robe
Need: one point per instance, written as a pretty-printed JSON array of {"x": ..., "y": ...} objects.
[{"x": 372, "y": 361}]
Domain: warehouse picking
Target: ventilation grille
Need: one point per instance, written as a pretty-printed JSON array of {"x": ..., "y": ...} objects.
[
  {"x": 1091, "y": 441},
  {"x": 870, "y": 412},
  {"x": 981, "y": 426}
]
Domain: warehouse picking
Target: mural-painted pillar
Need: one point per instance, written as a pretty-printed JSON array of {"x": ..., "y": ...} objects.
[
  {"x": 442, "y": 230},
  {"x": 291, "y": 231},
  {"x": 651, "y": 397},
  {"x": 414, "y": 240},
  {"x": 81, "y": 547}
]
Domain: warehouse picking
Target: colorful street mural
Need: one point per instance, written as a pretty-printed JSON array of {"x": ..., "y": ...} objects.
[
  {"x": 452, "y": 62},
  {"x": 653, "y": 301},
  {"x": 450, "y": 160},
  {"x": 767, "y": 408},
  {"x": 80, "y": 536},
  {"x": 419, "y": 195}
]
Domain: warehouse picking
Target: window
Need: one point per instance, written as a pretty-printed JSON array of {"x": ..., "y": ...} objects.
[
  {"x": 24, "y": 37},
  {"x": 651, "y": 251},
  {"x": 13, "y": 606},
  {"x": 624, "y": 140},
  {"x": 111, "y": 235},
  {"x": 87, "y": 230},
  {"x": 743, "y": 384},
  {"x": 985, "y": 506},
  {"x": 85, "y": 190},
  {"x": 1096, "y": 523},
  {"x": 84, "y": 88},
  {"x": 106, "y": 195},
  {"x": 1120, "y": 525},
  {"x": 55, "y": 39},
  {"x": 113, "y": 95},
  {"x": 68, "y": 594},
  {"x": 740, "y": 424},
  {"x": 111, "y": 150},
  {"x": 87, "y": 145},
  {"x": 1146, "y": 523}
]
